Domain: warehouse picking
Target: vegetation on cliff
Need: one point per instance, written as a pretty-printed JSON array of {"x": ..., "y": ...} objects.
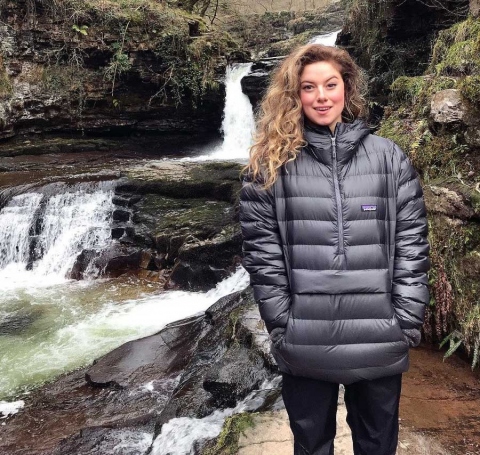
[
  {"x": 447, "y": 158},
  {"x": 93, "y": 61}
]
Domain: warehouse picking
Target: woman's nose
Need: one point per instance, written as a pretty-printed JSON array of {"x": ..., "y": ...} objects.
[{"x": 321, "y": 93}]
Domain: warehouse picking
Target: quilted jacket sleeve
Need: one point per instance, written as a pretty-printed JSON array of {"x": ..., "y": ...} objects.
[
  {"x": 263, "y": 254},
  {"x": 410, "y": 283}
]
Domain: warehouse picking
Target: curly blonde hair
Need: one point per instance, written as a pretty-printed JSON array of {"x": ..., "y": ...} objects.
[{"x": 279, "y": 136}]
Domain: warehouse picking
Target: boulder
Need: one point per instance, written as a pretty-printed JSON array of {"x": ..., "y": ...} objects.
[
  {"x": 447, "y": 106},
  {"x": 447, "y": 202}
]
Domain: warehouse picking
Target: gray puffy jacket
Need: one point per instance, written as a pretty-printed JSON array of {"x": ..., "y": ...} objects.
[{"x": 337, "y": 254}]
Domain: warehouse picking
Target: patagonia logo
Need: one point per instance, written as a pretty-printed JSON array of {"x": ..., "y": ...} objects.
[{"x": 369, "y": 208}]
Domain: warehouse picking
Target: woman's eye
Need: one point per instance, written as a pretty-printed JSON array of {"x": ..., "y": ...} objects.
[
  {"x": 331, "y": 85},
  {"x": 307, "y": 87}
]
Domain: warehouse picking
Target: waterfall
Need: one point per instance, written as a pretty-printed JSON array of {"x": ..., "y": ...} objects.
[
  {"x": 328, "y": 39},
  {"x": 238, "y": 123},
  {"x": 43, "y": 233}
]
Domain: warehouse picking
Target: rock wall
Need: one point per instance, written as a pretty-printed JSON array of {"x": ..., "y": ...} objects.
[
  {"x": 393, "y": 38},
  {"x": 435, "y": 118},
  {"x": 67, "y": 67}
]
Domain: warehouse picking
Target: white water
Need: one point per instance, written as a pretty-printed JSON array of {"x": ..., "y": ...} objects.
[
  {"x": 328, "y": 39},
  {"x": 76, "y": 322},
  {"x": 10, "y": 408},
  {"x": 179, "y": 435},
  {"x": 76, "y": 219},
  {"x": 238, "y": 123}
]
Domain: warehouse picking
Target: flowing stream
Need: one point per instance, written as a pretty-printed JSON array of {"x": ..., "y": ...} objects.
[{"x": 238, "y": 122}]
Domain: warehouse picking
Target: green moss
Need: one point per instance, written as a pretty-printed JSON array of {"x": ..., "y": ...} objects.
[
  {"x": 470, "y": 89},
  {"x": 200, "y": 217},
  {"x": 227, "y": 442},
  {"x": 406, "y": 89},
  {"x": 456, "y": 50}
]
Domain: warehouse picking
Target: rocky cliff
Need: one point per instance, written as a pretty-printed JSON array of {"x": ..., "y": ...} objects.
[
  {"x": 393, "y": 38},
  {"x": 108, "y": 68},
  {"x": 422, "y": 61}
]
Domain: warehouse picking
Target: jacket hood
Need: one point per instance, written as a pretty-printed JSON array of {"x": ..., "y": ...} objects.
[{"x": 347, "y": 138}]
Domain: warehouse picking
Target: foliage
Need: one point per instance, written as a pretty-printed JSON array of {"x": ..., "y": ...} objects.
[
  {"x": 470, "y": 89},
  {"x": 234, "y": 426},
  {"x": 456, "y": 50},
  {"x": 443, "y": 158}
]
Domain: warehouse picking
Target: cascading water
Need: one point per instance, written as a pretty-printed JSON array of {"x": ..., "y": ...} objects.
[
  {"x": 238, "y": 121},
  {"x": 327, "y": 39},
  {"x": 179, "y": 435},
  {"x": 44, "y": 233}
]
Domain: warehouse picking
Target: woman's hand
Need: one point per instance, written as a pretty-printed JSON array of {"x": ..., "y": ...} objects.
[
  {"x": 413, "y": 337},
  {"x": 277, "y": 335}
]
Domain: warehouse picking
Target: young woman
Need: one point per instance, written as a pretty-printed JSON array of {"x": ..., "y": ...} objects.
[{"x": 335, "y": 241}]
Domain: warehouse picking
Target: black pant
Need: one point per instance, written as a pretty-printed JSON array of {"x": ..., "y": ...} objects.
[{"x": 372, "y": 414}]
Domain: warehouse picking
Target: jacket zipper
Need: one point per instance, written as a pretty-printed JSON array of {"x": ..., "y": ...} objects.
[{"x": 337, "y": 197}]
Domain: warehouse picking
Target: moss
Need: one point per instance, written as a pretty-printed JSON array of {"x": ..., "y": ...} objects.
[
  {"x": 6, "y": 87},
  {"x": 406, "y": 89},
  {"x": 456, "y": 50},
  {"x": 470, "y": 89},
  {"x": 227, "y": 441},
  {"x": 199, "y": 217}
]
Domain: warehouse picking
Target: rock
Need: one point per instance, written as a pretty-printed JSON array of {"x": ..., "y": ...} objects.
[
  {"x": 120, "y": 215},
  {"x": 472, "y": 136},
  {"x": 201, "y": 264},
  {"x": 256, "y": 82},
  {"x": 81, "y": 264},
  {"x": 153, "y": 356},
  {"x": 475, "y": 7},
  {"x": 224, "y": 383},
  {"x": 399, "y": 35},
  {"x": 447, "y": 106},
  {"x": 447, "y": 202}
]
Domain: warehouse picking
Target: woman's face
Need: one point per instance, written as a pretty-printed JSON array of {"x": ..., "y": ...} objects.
[{"x": 322, "y": 93}]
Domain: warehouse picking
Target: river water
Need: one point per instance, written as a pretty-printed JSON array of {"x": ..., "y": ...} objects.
[{"x": 50, "y": 324}]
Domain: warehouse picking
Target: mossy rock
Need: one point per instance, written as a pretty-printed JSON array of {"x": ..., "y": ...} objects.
[
  {"x": 456, "y": 50},
  {"x": 227, "y": 441},
  {"x": 286, "y": 46},
  {"x": 166, "y": 216},
  {"x": 470, "y": 89}
]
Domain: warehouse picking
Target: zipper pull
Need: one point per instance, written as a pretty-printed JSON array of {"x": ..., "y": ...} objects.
[{"x": 334, "y": 148}]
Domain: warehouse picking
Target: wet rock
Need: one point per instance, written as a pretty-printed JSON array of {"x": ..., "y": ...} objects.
[
  {"x": 255, "y": 84},
  {"x": 111, "y": 262},
  {"x": 118, "y": 232},
  {"x": 224, "y": 382},
  {"x": 201, "y": 264},
  {"x": 81, "y": 264},
  {"x": 218, "y": 349},
  {"x": 120, "y": 215},
  {"x": 155, "y": 355},
  {"x": 447, "y": 106},
  {"x": 133, "y": 440}
]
